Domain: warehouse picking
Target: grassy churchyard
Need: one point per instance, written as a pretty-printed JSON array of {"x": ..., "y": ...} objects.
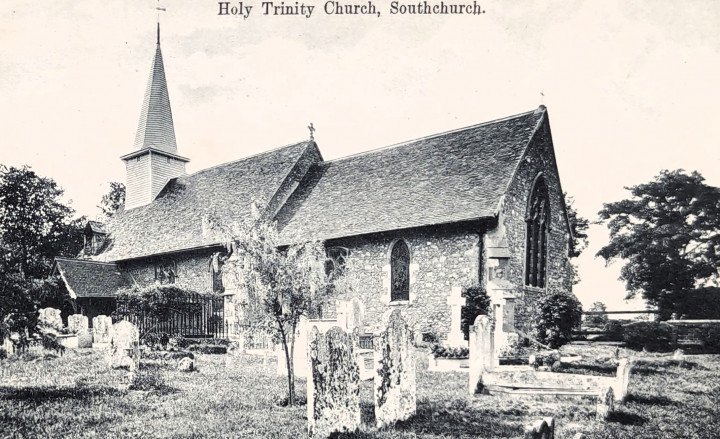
[{"x": 77, "y": 395}]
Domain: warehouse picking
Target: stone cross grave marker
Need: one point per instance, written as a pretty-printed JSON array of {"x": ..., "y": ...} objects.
[
  {"x": 125, "y": 346},
  {"x": 77, "y": 322},
  {"x": 456, "y": 301},
  {"x": 102, "y": 330},
  {"x": 395, "y": 385},
  {"x": 482, "y": 351},
  {"x": 333, "y": 392}
]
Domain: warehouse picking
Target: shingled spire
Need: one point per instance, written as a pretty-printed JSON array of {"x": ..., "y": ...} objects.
[
  {"x": 156, "y": 123},
  {"x": 154, "y": 159}
]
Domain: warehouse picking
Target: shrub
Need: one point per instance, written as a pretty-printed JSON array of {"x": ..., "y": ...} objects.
[
  {"x": 613, "y": 330},
  {"x": 49, "y": 342},
  {"x": 208, "y": 349},
  {"x": 440, "y": 351},
  {"x": 651, "y": 336},
  {"x": 148, "y": 380},
  {"x": 3, "y": 354},
  {"x": 560, "y": 314},
  {"x": 477, "y": 303},
  {"x": 711, "y": 340}
]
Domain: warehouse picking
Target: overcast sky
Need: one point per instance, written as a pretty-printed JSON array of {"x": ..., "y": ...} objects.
[{"x": 631, "y": 88}]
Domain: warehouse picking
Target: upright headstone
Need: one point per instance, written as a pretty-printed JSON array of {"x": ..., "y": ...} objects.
[
  {"x": 77, "y": 322},
  {"x": 605, "y": 404},
  {"x": 622, "y": 380},
  {"x": 85, "y": 338},
  {"x": 482, "y": 351},
  {"x": 541, "y": 429},
  {"x": 51, "y": 317},
  {"x": 125, "y": 346},
  {"x": 395, "y": 386},
  {"x": 333, "y": 392},
  {"x": 102, "y": 331},
  {"x": 355, "y": 315}
]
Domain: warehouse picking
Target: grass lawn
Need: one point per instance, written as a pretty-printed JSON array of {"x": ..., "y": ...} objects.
[{"x": 237, "y": 396}]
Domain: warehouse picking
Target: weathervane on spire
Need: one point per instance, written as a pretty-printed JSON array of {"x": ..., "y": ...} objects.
[
  {"x": 312, "y": 131},
  {"x": 158, "y": 9}
]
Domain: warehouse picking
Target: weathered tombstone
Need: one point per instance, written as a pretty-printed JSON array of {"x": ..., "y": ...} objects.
[
  {"x": 605, "y": 404},
  {"x": 541, "y": 429},
  {"x": 102, "y": 331},
  {"x": 85, "y": 338},
  {"x": 77, "y": 322},
  {"x": 333, "y": 392},
  {"x": 622, "y": 380},
  {"x": 356, "y": 315},
  {"x": 51, "y": 317},
  {"x": 186, "y": 364},
  {"x": 395, "y": 386},
  {"x": 125, "y": 346},
  {"x": 482, "y": 351}
]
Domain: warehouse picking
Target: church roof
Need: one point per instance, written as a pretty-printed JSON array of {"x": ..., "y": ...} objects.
[
  {"x": 155, "y": 128},
  {"x": 89, "y": 278},
  {"x": 449, "y": 177},
  {"x": 181, "y": 215}
]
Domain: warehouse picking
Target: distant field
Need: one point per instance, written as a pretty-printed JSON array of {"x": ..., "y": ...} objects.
[{"x": 237, "y": 396}]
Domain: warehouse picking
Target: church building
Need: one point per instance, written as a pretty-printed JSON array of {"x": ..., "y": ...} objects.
[{"x": 416, "y": 222}]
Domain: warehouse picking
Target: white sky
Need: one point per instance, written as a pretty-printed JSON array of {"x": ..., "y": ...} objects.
[{"x": 631, "y": 88}]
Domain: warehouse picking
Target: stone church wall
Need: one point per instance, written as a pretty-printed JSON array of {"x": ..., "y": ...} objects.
[
  {"x": 540, "y": 158},
  {"x": 192, "y": 270},
  {"x": 443, "y": 259}
]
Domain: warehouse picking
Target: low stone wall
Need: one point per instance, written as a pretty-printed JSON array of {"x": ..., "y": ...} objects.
[{"x": 693, "y": 332}]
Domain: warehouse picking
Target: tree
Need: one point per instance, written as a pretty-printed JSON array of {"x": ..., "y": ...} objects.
[
  {"x": 36, "y": 226},
  {"x": 113, "y": 200},
  {"x": 668, "y": 234},
  {"x": 578, "y": 227},
  {"x": 282, "y": 284},
  {"x": 597, "y": 319}
]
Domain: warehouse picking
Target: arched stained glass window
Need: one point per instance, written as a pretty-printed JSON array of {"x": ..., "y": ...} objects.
[
  {"x": 400, "y": 272},
  {"x": 538, "y": 224}
]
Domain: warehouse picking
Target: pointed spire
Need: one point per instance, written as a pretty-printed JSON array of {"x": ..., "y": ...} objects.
[{"x": 155, "y": 128}]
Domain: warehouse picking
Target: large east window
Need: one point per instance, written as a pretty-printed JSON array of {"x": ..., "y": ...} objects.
[
  {"x": 400, "y": 272},
  {"x": 538, "y": 225}
]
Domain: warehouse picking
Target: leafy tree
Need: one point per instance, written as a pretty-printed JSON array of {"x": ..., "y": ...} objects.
[
  {"x": 36, "y": 226},
  {"x": 282, "y": 284},
  {"x": 560, "y": 313},
  {"x": 597, "y": 319},
  {"x": 113, "y": 200},
  {"x": 579, "y": 227},
  {"x": 668, "y": 234}
]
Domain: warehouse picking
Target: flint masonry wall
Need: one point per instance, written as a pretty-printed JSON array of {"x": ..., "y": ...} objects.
[
  {"x": 441, "y": 257},
  {"x": 540, "y": 158},
  {"x": 192, "y": 270}
]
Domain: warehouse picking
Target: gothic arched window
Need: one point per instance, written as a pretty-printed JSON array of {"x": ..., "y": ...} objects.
[
  {"x": 538, "y": 224},
  {"x": 400, "y": 272}
]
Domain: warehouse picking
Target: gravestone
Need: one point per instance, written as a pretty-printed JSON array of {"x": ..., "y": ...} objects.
[
  {"x": 622, "y": 380},
  {"x": 51, "y": 317},
  {"x": 482, "y": 351},
  {"x": 124, "y": 346},
  {"x": 333, "y": 392},
  {"x": 395, "y": 385},
  {"x": 102, "y": 331},
  {"x": 356, "y": 315},
  {"x": 542, "y": 429},
  {"x": 85, "y": 338},
  {"x": 605, "y": 404},
  {"x": 77, "y": 322}
]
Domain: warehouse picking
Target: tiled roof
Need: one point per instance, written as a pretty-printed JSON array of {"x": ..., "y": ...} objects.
[
  {"x": 90, "y": 278},
  {"x": 155, "y": 128},
  {"x": 178, "y": 218},
  {"x": 96, "y": 227},
  {"x": 449, "y": 177}
]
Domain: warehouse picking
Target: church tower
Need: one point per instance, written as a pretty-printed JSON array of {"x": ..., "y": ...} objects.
[{"x": 154, "y": 159}]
